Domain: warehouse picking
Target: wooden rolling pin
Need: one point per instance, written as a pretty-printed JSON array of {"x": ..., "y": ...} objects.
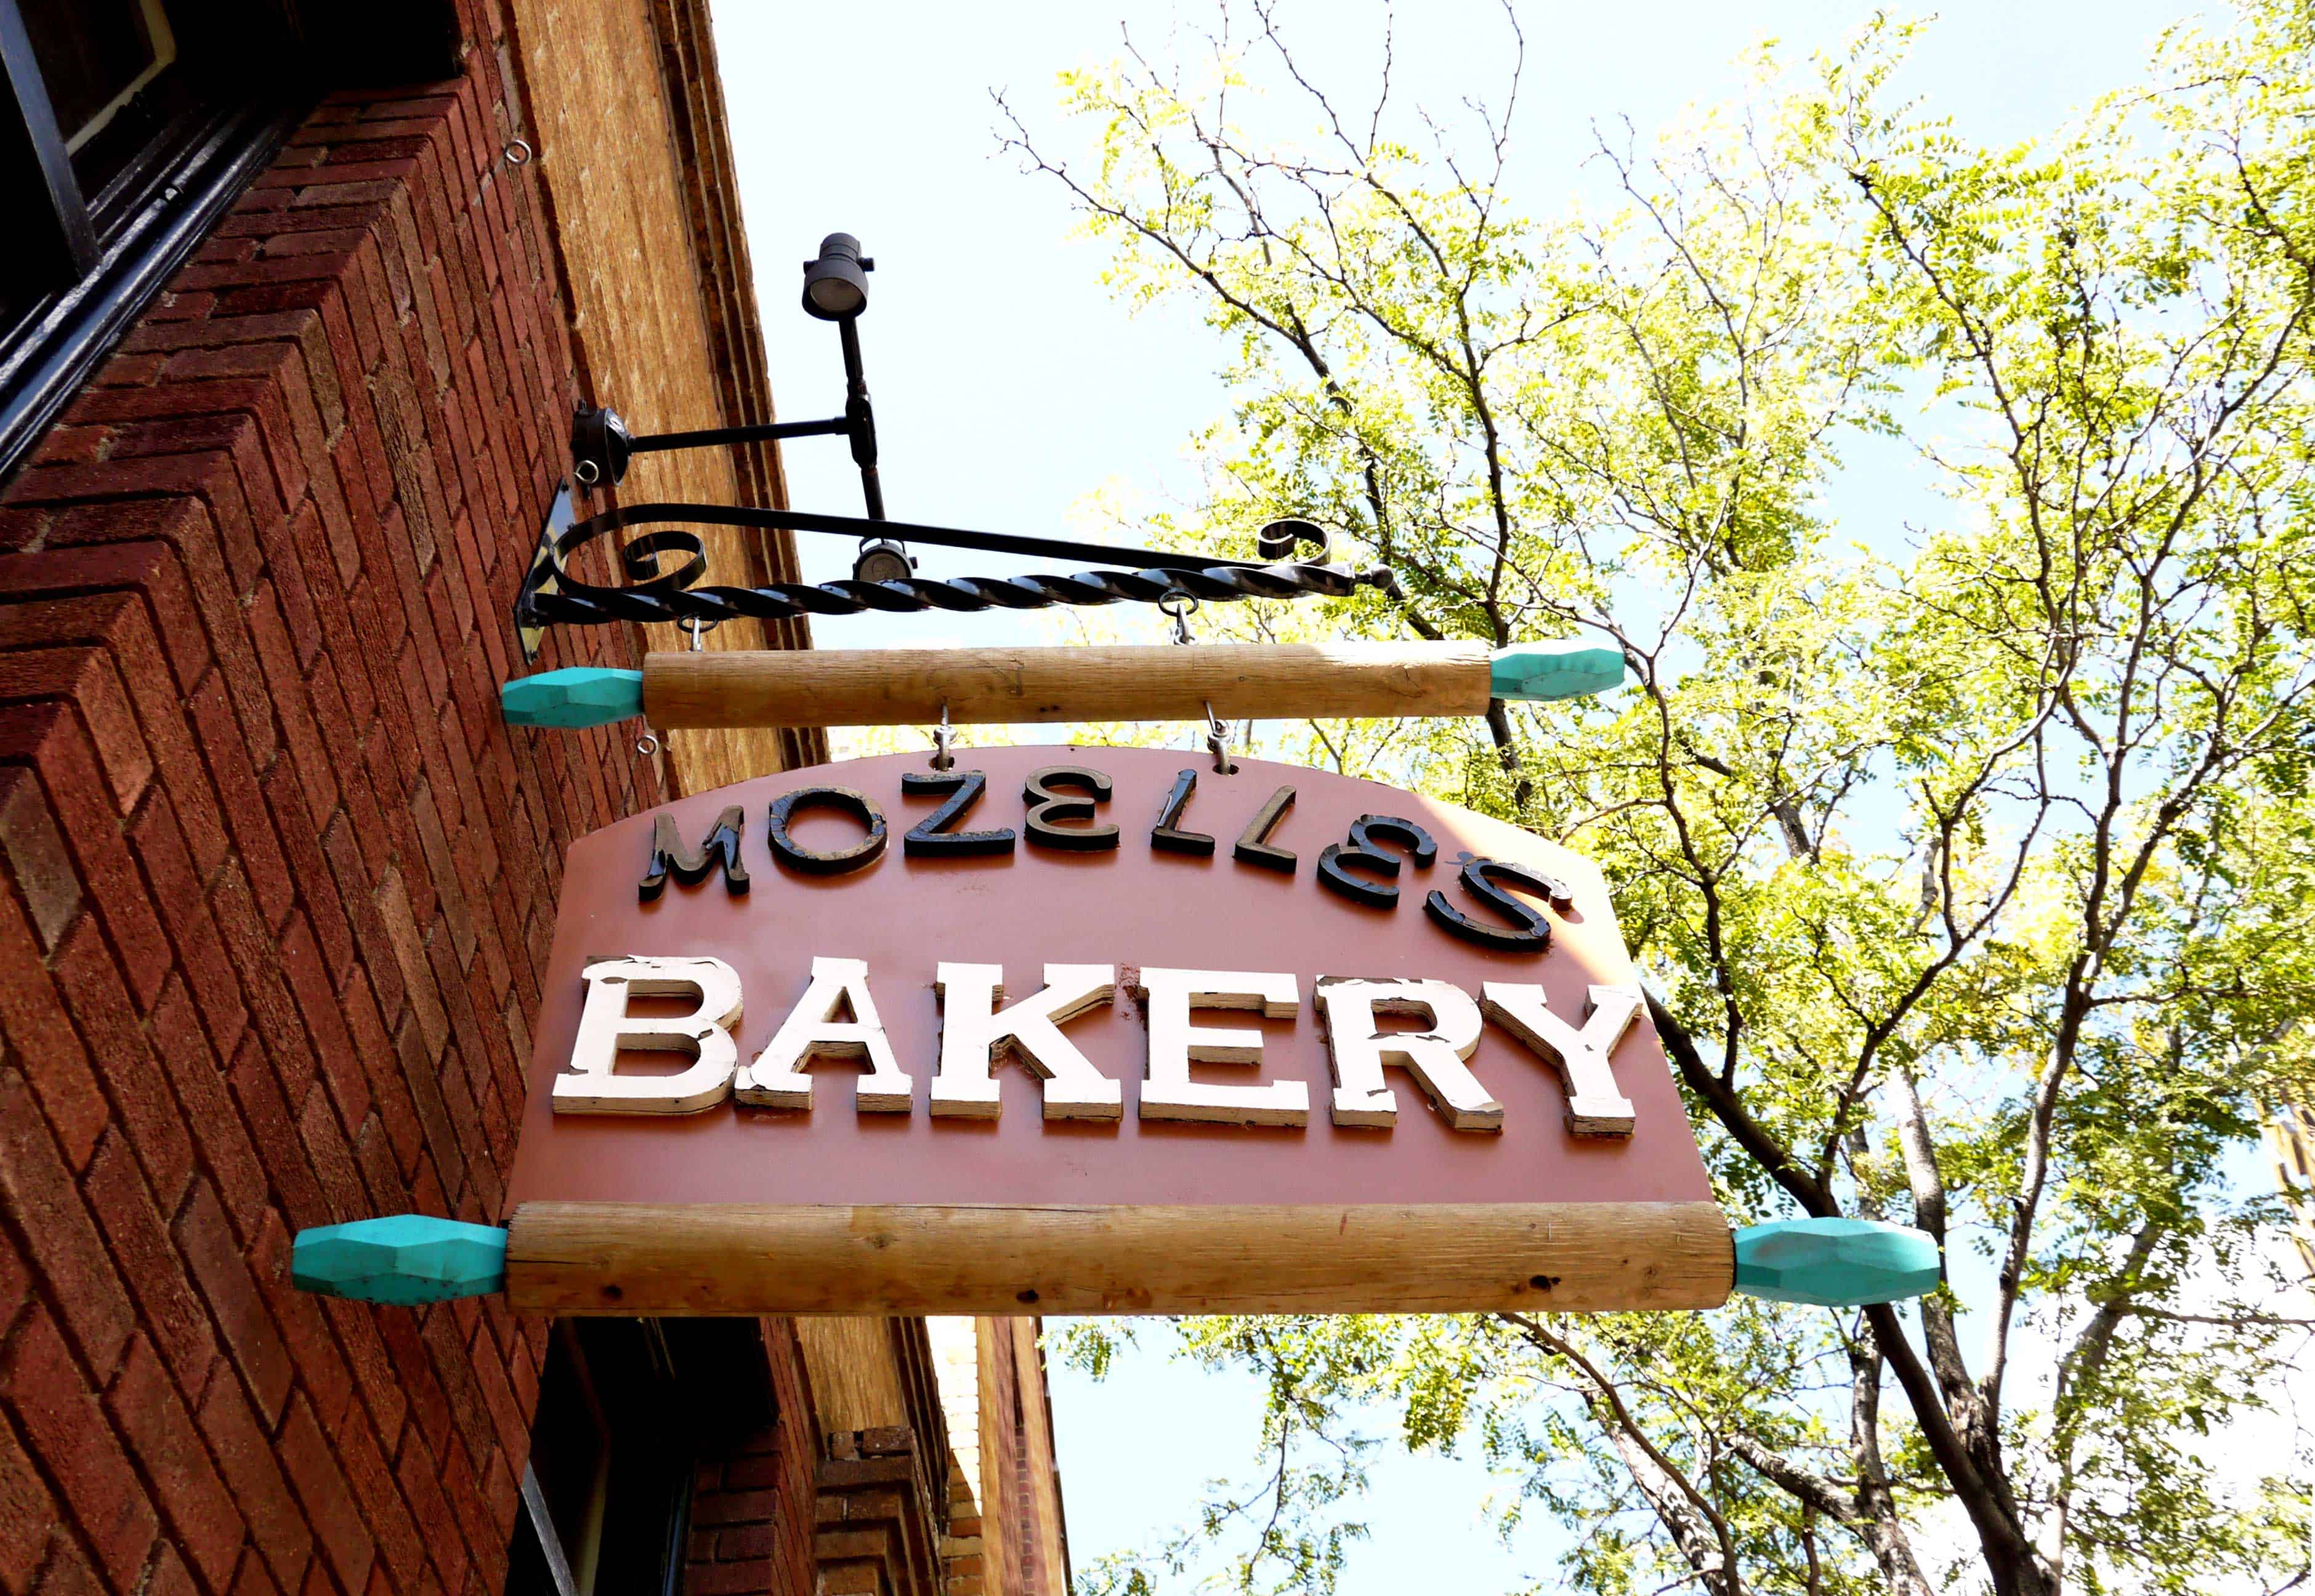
[
  {"x": 1140, "y": 682},
  {"x": 630, "y": 1258}
]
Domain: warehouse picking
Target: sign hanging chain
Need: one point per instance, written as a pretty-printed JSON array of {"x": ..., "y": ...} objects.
[
  {"x": 1217, "y": 744},
  {"x": 943, "y": 743},
  {"x": 1180, "y": 605}
]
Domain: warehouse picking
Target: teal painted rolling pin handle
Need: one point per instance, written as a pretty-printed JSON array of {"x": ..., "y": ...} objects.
[
  {"x": 403, "y": 1259},
  {"x": 1538, "y": 671},
  {"x": 577, "y": 697},
  {"x": 1836, "y": 1262}
]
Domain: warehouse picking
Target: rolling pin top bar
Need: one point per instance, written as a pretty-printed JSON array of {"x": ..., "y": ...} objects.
[
  {"x": 914, "y": 686},
  {"x": 1017, "y": 685}
]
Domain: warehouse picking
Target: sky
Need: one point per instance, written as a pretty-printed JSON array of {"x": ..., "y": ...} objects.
[{"x": 1010, "y": 388}]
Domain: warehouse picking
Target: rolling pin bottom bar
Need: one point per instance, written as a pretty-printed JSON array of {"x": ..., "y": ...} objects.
[{"x": 670, "y": 1258}]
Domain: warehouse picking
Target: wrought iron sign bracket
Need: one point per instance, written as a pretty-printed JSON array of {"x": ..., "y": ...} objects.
[{"x": 663, "y": 567}]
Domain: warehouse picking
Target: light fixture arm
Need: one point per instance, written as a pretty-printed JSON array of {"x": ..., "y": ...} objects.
[
  {"x": 860, "y": 418},
  {"x": 601, "y": 447}
]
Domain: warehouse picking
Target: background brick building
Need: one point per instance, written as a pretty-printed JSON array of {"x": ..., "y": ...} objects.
[{"x": 285, "y": 389}]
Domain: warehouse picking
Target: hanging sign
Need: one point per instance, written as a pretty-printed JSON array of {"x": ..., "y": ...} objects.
[{"x": 1095, "y": 1030}]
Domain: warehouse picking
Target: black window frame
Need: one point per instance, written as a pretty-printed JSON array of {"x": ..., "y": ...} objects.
[{"x": 102, "y": 259}]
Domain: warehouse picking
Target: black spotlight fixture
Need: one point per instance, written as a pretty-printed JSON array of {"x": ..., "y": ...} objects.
[
  {"x": 882, "y": 559},
  {"x": 836, "y": 281}
]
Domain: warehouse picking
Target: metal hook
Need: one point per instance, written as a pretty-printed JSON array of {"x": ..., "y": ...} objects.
[
  {"x": 1217, "y": 742},
  {"x": 695, "y": 625},
  {"x": 517, "y": 153},
  {"x": 648, "y": 744},
  {"x": 944, "y": 741},
  {"x": 1180, "y": 603}
]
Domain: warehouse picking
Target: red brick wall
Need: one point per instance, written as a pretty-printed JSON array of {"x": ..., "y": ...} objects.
[
  {"x": 752, "y": 1512},
  {"x": 1004, "y": 1533},
  {"x": 278, "y": 882}
]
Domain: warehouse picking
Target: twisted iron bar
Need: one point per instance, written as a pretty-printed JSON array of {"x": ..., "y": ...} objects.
[{"x": 662, "y": 567}]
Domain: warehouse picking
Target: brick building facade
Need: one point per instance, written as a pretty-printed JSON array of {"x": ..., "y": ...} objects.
[{"x": 279, "y": 886}]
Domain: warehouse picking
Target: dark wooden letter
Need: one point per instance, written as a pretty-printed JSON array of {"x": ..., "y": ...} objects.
[
  {"x": 1046, "y": 806},
  {"x": 690, "y": 867},
  {"x": 1530, "y": 932},
  {"x": 795, "y": 856},
  {"x": 928, "y": 839},
  {"x": 1360, "y": 850},
  {"x": 1253, "y": 846},
  {"x": 1165, "y": 836}
]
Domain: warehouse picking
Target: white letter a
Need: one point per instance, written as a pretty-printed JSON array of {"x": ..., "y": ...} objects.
[{"x": 812, "y": 1030}]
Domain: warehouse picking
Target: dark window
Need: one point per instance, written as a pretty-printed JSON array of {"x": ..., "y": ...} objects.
[
  {"x": 126, "y": 127},
  {"x": 626, "y": 1409}
]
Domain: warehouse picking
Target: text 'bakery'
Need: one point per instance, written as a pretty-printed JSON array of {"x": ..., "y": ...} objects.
[{"x": 837, "y": 1019}]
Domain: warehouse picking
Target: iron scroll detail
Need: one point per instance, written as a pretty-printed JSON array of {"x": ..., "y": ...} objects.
[{"x": 664, "y": 566}]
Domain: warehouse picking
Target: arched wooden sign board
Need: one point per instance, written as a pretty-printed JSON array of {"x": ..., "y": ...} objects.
[{"x": 1076, "y": 1069}]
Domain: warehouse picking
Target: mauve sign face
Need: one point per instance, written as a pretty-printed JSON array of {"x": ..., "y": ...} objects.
[{"x": 1137, "y": 907}]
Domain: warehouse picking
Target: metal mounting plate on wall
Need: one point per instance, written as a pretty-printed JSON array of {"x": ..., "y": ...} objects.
[{"x": 529, "y": 631}]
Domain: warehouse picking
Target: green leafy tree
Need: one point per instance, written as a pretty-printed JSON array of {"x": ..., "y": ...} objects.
[{"x": 1968, "y": 861}]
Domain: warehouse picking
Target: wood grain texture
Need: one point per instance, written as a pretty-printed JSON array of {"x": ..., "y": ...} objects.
[
  {"x": 672, "y": 1258},
  {"x": 1160, "y": 682}
]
